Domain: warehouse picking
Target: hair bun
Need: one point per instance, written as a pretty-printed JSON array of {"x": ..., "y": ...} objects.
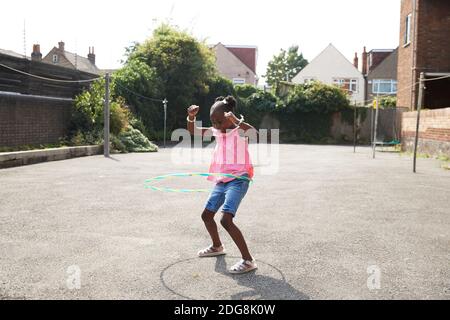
[
  {"x": 221, "y": 98},
  {"x": 231, "y": 101}
]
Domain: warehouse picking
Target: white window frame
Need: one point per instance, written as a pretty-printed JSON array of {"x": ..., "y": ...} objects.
[
  {"x": 309, "y": 79},
  {"x": 55, "y": 58},
  {"x": 408, "y": 30},
  {"x": 377, "y": 82},
  {"x": 351, "y": 83},
  {"x": 238, "y": 80}
]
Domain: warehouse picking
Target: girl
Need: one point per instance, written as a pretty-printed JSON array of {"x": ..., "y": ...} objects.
[{"x": 231, "y": 157}]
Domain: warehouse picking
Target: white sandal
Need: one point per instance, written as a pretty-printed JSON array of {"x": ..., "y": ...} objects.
[
  {"x": 211, "y": 252},
  {"x": 243, "y": 266}
]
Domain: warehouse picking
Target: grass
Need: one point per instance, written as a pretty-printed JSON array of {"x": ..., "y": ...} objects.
[{"x": 445, "y": 159}]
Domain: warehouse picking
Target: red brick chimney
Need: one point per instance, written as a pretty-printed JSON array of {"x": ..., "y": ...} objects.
[
  {"x": 355, "y": 60},
  {"x": 91, "y": 55},
  {"x": 61, "y": 45},
  {"x": 36, "y": 55},
  {"x": 364, "y": 62}
]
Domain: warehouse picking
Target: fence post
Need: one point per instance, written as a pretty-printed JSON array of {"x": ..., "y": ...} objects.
[
  {"x": 419, "y": 107},
  {"x": 354, "y": 129},
  {"x": 165, "y": 120},
  {"x": 106, "y": 118},
  {"x": 375, "y": 128}
]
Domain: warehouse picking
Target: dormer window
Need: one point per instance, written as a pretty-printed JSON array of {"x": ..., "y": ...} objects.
[{"x": 55, "y": 58}]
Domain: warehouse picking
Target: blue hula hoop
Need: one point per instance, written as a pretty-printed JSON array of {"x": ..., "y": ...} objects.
[{"x": 147, "y": 182}]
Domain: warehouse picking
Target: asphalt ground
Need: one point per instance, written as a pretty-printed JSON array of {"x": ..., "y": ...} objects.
[{"x": 323, "y": 223}]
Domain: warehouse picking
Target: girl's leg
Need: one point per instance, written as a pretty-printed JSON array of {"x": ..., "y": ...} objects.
[
  {"x": 236, "y": 235},
  {"x": 211, "y": 226}
]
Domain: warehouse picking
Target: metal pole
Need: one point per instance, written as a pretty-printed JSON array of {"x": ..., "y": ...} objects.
[
  {"x": 375, "y": 129},
  {"x": 106, "y": 118},
  {"x": 354, "y": 129},
  {"x": 419, "y": 107},
  {"x": 165, "y": 120},
  {"x": 371, "y": 125}
]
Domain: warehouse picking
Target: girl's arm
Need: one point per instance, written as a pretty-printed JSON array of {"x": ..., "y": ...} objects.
[
  {"x": 244, "y": 125},
  {"x": 192, "y": 112}
]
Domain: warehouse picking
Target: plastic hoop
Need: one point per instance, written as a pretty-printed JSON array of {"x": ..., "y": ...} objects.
[{"x": 147, "y": 184}]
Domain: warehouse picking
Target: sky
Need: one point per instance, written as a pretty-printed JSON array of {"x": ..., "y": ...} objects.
[{"x": 110, "y": 26}]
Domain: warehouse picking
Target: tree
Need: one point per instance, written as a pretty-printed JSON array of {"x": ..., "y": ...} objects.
[
  {"x": 285, "y": 66},
  {"x": 182, "y": 63}
]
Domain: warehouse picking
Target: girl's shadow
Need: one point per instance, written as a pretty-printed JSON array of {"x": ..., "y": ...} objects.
[{"x": 261, "y": 287}]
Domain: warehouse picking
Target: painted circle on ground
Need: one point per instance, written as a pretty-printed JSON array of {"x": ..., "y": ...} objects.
[{"x": 208, "y": 279}]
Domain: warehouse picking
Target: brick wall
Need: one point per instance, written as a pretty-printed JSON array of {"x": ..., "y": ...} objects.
[
  {"x": 432, "y": 45},
  {"x": 405, "y": 59},
  {"x": 434, "y": 131},
  {"x": 26, "y": 120}
]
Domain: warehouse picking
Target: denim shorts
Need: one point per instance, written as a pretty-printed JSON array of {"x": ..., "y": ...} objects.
[{"x": 229, "y": 195}]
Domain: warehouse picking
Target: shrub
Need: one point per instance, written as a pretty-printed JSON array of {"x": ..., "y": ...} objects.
[
  {"x": 245, "y": 90},
  {"x": 388, "y": 102},
  {"x": 135, "y": 141}
]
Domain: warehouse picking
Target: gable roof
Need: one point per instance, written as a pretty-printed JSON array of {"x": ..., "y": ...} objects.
[
  {"x": 12, "y": 54},
  {"x": 232, "y": 56},
  {"x": 82, "y": 63},
  {"x": 247, "y": 54},
  {"x": 385, "y": 64},
  {"x": 323, "y": 59}
]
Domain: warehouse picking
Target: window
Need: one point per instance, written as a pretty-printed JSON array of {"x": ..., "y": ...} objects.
[
  {"x": 55, "y": 58},
  {"x": 353, "y": 85},
  {"x": 384, "y": 86},
  {"x": 408, "y": 29},
  {"x": 308, "y": 80},
  {"x": 349, "y": 85},
  {"x": 238, "y": 81}
]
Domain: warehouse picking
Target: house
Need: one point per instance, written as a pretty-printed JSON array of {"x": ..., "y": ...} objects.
[
  {"x": 331, "y": 67},
  {"x": 237, "y": 63},
  {"x": 424, "y": 47},
  {"x": 379, "y": 67},
  {"x": 59, "y": 56}
]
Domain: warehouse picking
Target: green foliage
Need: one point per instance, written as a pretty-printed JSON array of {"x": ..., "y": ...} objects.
[
  {"x": 285, "y": 64},
  {"x": 317, "y": 97},
  {"x": 136, "y": 76},
  {"x": 245, "y": 90},
  {"x": 257, "y": 105},
  {"x": 183, "y": 64},
  {"x": 388, "y": 102},
  {"x": 132, "y": 140},
  {"x": 87, "y": 114}
]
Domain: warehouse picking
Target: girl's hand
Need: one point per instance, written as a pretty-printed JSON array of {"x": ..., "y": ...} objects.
[
  {"x": 193, "y": 110},
  {"x": 231, "y": 117}
]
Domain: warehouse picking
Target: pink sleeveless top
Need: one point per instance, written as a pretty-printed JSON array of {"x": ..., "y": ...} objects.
[{"x": 230, "y": 156}]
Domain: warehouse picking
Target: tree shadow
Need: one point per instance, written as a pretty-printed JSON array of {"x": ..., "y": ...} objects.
[{"x": 261, "y": 287}]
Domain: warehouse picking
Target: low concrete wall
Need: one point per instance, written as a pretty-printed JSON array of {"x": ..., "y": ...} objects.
[
  {"x": 20, "y": 158},
  {"x": 434, "y": 131}
]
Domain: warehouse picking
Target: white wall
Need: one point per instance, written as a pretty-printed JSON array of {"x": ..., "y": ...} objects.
[{"x": 330, "y": 64}]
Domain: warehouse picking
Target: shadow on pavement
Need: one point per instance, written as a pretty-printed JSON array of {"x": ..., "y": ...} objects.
[{"x": 261, "y": 287}]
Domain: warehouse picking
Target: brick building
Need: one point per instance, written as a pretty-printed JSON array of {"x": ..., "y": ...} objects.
[
  {"x": 60, "y": 57},
  {"x": 237, "y": 63},
  {"x": 424, "y": 47},
  {"x": 379, "y": 67}
]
